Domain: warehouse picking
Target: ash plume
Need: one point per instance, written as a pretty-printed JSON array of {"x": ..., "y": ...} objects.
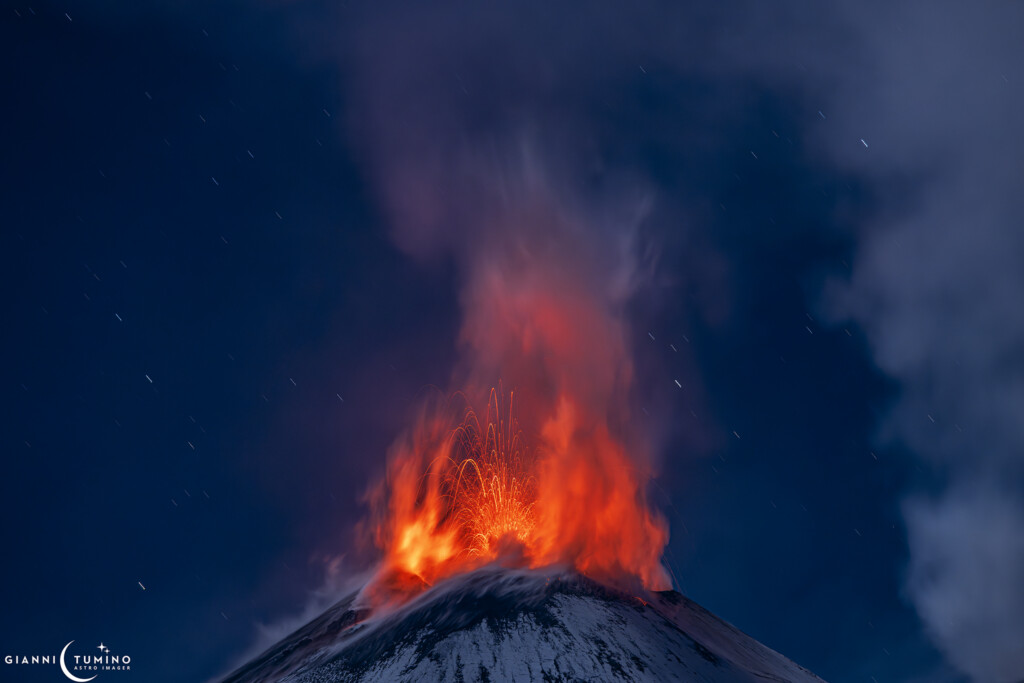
[
  {"x": 479, "y": 126},
  {"x": 548, "y": 259}
]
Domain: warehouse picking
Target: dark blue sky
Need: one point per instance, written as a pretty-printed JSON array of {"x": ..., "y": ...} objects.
[{"x": 211, "y": 337}]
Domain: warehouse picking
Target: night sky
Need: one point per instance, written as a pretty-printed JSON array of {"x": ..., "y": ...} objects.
[{"x": 218, "y": 312}]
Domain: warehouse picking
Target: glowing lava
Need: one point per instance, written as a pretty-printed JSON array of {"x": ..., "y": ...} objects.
[
  {"x": 493, "y": 493},
  {"x": 556, "y": 475},
  {"x": 472, "y": 494}
]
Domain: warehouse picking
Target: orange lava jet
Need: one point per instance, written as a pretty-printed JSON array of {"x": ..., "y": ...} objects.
[
  {"x": 473, "y": 494},
  {"x": 493, "y": 493},
  {"x": 557, "y": 474}
]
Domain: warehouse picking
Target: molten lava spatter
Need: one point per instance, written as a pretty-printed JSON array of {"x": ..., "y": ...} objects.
[
  {"x": 557, "y": 474},
  {"x": 493, "y": 492},
  {"x": 462, "y": 496}
]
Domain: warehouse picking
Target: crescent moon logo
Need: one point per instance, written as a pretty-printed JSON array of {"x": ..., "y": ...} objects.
[{"x": 64, "y": 668}]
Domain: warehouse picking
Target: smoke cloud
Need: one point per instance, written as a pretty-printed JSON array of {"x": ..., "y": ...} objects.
[
  {"x": 936, "y": 286},
  {"x": 486, "y": 129},
  {"x": 489, "y": 175}
]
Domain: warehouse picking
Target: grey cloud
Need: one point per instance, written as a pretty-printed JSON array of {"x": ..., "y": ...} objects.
[
  {"x": 937, "y": 286},
  {"x": 965, "y": 578}
]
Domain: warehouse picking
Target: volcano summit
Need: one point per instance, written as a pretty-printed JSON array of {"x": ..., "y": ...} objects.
[{"x": 497, "y": 624}]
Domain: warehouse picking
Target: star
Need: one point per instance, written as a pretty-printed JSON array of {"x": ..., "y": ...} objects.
[{"x": 103, "y": 647}]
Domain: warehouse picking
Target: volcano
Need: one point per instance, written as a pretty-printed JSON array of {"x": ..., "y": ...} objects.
[{"x": 499, "y": 624}]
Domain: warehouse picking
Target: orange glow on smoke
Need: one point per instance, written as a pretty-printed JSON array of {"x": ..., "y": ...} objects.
[
  {"x": 480, "y": 496},
  {"x": 569, "y": 486}
]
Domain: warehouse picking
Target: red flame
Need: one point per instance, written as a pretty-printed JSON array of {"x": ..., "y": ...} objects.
[
  {"x": 461, "y": 492},
  {"x": 476, "y": 495}
]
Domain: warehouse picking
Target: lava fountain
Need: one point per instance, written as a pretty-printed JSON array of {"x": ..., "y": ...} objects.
[{"x": 554, "y": 472}]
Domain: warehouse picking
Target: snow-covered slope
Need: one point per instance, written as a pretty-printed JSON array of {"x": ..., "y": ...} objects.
[{"x": 509, "y": 625}]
